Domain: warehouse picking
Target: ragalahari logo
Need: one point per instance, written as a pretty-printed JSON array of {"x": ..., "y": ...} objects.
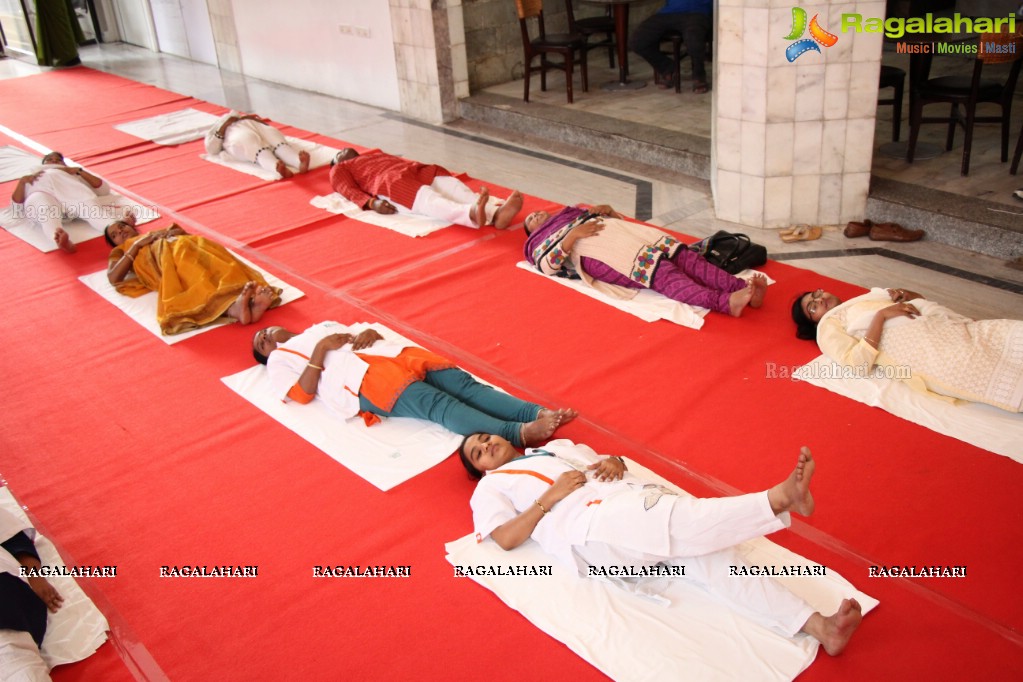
[{"x": 817, "y": 35}]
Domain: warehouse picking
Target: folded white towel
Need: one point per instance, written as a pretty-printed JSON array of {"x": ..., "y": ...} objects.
[{"x": 174, "y": 128}]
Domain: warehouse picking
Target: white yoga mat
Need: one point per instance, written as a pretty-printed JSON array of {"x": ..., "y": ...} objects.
[
  {"x": 385, "y": 454},
  {"x": 987, "y": 427},
  {"x": 79, "y": 231},
  {"x": 408, "y": 224},
  {"x": 319, "y": 155},
  {"x": 174, "y": 128},
  {"x": 143, "y": 308},
  {"x": 78, "y": 628},
  {"x": 647, "y": 305},
  {"x": 629, "y": 637}
]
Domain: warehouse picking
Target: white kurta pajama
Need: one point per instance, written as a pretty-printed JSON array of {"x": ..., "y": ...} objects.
[
  {"x": 639, "y": 523},
  {"x": 948, "y": 354},
  {"x": 252, "y": 141},
  {"x": 57, "y": 195}
]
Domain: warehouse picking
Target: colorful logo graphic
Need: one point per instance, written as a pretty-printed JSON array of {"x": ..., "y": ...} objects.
[{"x": 817, "y": 35}]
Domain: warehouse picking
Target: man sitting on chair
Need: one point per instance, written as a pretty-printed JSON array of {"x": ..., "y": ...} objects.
[{"x": 691, "y": 18}]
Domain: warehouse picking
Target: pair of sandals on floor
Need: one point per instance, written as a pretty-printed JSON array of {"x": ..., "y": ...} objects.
[{"x": 667, "y": 82}]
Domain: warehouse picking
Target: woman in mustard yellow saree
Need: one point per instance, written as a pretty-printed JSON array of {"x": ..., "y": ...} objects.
[{"x": 196, "y": 280}]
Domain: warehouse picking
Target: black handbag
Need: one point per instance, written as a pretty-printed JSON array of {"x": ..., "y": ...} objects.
[{"x": 733, "y": 252}]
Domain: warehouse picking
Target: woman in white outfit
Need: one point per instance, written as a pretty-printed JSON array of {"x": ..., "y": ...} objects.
[{"x": 248, "y": 137}]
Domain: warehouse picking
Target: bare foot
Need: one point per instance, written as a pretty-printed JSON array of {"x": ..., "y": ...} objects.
[
  {"x": 64, "y": 241},
  {"x": 303, "y": 161},
  {"x": 835, "y": 631},
  {"x": 540, "y": 429},
  {"x": 240, "y": 309},
  {"x": 262, "y": 300},
  {"x": 759, "y": 285},
  {"x": 283, "y": 170},
  {"x": 793, "y": 494},
  {"x": 738, "y": 301},
  {"x": 508, "y": 210},
  {"x": 563, "y": 415},
  {"x": 478, "y": 213}
]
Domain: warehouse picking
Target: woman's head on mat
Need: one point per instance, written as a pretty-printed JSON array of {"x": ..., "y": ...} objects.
[
  {"x": 535, "y": 220},
  {"x": 483, "y": 452},
  {"x": 808, "y": 309},
  {"x": 266, "y": 340},
  {"x": 344, "y": 155},
  {"x": 54, "y": 157},
  {"x": 118, "y": 232}
]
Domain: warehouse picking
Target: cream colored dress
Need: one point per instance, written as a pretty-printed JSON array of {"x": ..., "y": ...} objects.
[{"x": 947, "y": 353}]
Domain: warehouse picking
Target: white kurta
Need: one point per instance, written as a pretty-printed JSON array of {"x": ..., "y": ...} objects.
[
  {"x": 57, "y": 195},
  {"x": 947, "y": 353},
  {"x": 637, "y": 522},
  {"x": 343, "y": 370}
]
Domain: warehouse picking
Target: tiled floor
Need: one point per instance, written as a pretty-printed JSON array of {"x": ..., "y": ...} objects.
[{"x": 566, "y": 175}]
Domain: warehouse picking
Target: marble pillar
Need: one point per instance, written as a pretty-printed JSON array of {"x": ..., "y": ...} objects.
[
  {"x": 793, "y": 140},
  {"x": 429, "y": 51}
]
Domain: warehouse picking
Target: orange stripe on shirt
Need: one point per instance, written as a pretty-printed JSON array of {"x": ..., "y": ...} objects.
[{"x": 527, "y": 473}]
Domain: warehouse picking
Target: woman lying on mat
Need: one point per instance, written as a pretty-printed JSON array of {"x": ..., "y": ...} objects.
[
  {"x": 588, "y": 510},
  {"x": 250, "y": 138},
  {"x": 618, "y": 258},
  {"x": 24, "y": 602},
  {"x": 366, "y": 370},
  {"x": 945, "y": 352},
  {"x": 56, "y": 192},
  {"x": 196, "y": 280}
]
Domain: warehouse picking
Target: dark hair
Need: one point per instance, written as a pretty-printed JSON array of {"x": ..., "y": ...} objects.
[
  {"x": 106, "y": 235},
  {"x": 260, "y": 358},
  {"x": 806, "y": 328},
  {"x": 473, "y": 472}
]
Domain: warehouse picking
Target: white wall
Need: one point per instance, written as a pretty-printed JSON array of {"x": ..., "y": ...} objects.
[{"x": 298, "y": 43}]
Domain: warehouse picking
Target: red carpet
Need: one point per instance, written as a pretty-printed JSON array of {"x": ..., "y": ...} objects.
[{"x": 133, "y": 453}]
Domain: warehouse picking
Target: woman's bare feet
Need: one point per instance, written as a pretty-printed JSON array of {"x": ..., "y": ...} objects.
[
  {"x": 541, "y": 428},
  {"x": 508, "y": 210},
  {"x": 793, "y": 494},
  {"x": 758, "y": 283},
  {"x": 63, "y": 241},
  {"x": 261, "y": 301},
  {"x": 303, "y": 161},
  {"x": 241, "y": 308},
  {"x": 738, "y": 301},
  {"x": 283, "y": 170},
  {"x": 835, "y": 631},
  {"x": 478, "y": 212}
]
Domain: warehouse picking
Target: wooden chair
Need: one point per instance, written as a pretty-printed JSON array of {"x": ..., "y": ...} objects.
[
  {"x": 1018, "y": 153},
  {"x": 591, "y": 26},
  {"x": 565, "y": 44},
  {"x": 893, "y": 77},
  {"x": 969, "y": 92}
]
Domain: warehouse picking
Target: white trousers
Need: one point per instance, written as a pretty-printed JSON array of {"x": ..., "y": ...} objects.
[
  {"x": 448, "y": 199},
  {"x": 703, "y": 535},
  {"x": 19, "y": 658},
  {"x": 258, "y": 143},
  {"x": 49, "y": 212}
]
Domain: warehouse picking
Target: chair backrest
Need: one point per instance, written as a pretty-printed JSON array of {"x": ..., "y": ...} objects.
[
  {"x": 1000, "y": 48},
  {"x": 529, "y": 8}
]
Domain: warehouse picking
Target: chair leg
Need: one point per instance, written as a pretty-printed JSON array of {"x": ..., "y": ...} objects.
[
  {"x": 544, "y": 65},
  {"x": 897, "y": 112},
  {"x": 1006, "y": 116},
  {"x": 585, "y": 76},
  {"x": 676, "y": 49},
  {"x": 610, "y": 53},
  {"x": 953, "y": 121},
  {"x": 915, "y": 114},
  {"x": 1018, "y": 154},
  {"x": 568, "y": 74},
  {"x": 971, "y": 113},
  {"x": 529, "y": 72}
]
